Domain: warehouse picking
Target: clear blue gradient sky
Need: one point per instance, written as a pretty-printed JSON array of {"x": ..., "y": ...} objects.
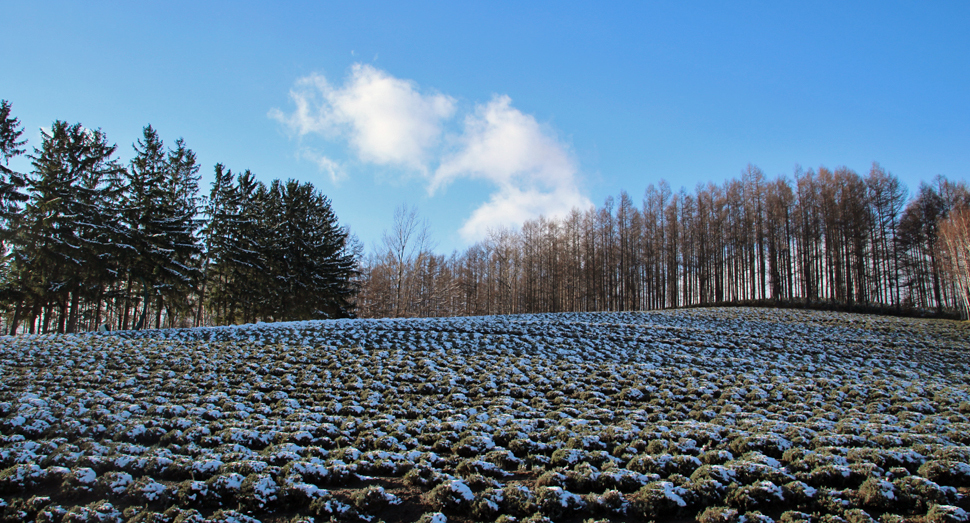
[{"x": 481, "y": 114}]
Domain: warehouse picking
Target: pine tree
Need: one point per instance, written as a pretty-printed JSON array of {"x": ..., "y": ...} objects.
[
  {"x": 161, "y": 245},
  {"x": 234, "y": 267},
  {"x": 68, "y": 224},
  {"x": 214, "y": 237},
  {"x": 11, "y": 197},
  {"x": 309, "y": 254},
  {"x": 11, "y": 182},
  {"x": 143, "y": 220},
  {"x": 181, "y": 273},
  {"x": 275, "y": 252}
]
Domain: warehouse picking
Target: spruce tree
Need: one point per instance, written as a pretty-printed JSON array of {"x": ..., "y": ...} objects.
[
  {"x": 314, "y": 265},
  {"x": 141, "y": 213},
  {"x": 275, "y": 252},
  {"x": 11, "y": 196},
  {"x": 234, "y": 270},
  {"x": 181, "y": 274},
  {"x": 11, "y": 182},
  {"x": 68, "y": 223},
  {"x": 160, "y": 210}
]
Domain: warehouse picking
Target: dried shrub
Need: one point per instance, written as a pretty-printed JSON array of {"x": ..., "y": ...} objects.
[
  {"x": 857, "y": 515},
  {"x": 329, "y": 506},
  {"x": 433, "y": 517},
  {"x": 918, "y": 494},
  {"x": 946, "y": 514},
  {"x": 759, "y": 495},
  {"x": 423, "y": 476},
  {"x": 373, "y": 499},
  {"x": 147, "y": 490},
  {"x": 609, "y": 502},
  {"x": 794, "y": 516}
]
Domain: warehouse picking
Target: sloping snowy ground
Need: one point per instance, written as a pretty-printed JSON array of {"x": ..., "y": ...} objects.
[{"x": 707, "y": 413}]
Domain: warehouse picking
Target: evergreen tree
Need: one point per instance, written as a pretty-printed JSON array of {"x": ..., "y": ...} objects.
[
  {"x": 275, "y": 252},
  {"x": 62, "y": 244},
  {"x": 11, "y": 182},
  {"x": 141, "y": 212},
  {"x": 160, "y": 245},
  {"x": 181, "y": 273},
  {"x": 11, "y": 196},
  {"x": 234, "y": 269},
  {"x": 213, "y": 234},
  {"x": 312, "y": 263}
]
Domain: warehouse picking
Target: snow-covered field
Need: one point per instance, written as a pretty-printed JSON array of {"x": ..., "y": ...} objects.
[{"x": 718, "y": 414}]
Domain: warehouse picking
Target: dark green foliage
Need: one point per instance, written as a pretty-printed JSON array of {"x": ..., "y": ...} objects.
[
  {"x": 159, "y": 239},
  {"x": 85, "y": 240},
  {"x": 11, "y": 183},
  {"x": 275, "y": 253},
  {"x": 63, "y": 238}
]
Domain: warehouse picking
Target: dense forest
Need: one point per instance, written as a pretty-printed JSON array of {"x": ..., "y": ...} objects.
[
  {"x": 89, "y": 241},
  {"x": 832, "y": 239}
]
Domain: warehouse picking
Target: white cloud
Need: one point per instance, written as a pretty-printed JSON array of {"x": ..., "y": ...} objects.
[
  {"x": 385, "y": 119},
  {"x": 512, "y": 206},
  {"x": 535, "y": 174},
  {"x": 388, "y": 121},
  {"x": 325, "y": 164},
  {"x": 505, "y": 146}
]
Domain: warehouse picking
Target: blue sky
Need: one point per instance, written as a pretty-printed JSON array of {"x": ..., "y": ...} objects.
[{"x": 482, "y": 114}]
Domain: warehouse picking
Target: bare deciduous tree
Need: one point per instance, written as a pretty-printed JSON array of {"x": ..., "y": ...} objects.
[
  {"x": 825, "y": 237},
  {"x": 955, "y": 236}
]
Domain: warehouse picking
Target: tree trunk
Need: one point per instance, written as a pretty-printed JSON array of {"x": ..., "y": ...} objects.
[
  {"x": 158, "y": 314},
  {"x": 198, "y": 312},
  {"x": 127, "y": 306},
  {"x": 16, "y": 318},
  {"x": 144, "y": 311},
  {"x": 73, "y": 315}
]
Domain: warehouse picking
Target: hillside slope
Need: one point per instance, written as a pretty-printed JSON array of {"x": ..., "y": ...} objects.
[{"x": 618, "y": 416}]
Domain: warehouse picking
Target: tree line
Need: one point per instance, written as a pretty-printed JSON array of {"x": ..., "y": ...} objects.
[
  {"x": 825, "y": 238},
  {"x": 89, "y": 241}
]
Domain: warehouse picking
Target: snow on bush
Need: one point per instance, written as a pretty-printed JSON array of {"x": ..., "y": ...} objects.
[
  {"x": 114, "y": 483},
  {"x": 96, "y": 512},
  {"x": 373, "y": 499}
]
